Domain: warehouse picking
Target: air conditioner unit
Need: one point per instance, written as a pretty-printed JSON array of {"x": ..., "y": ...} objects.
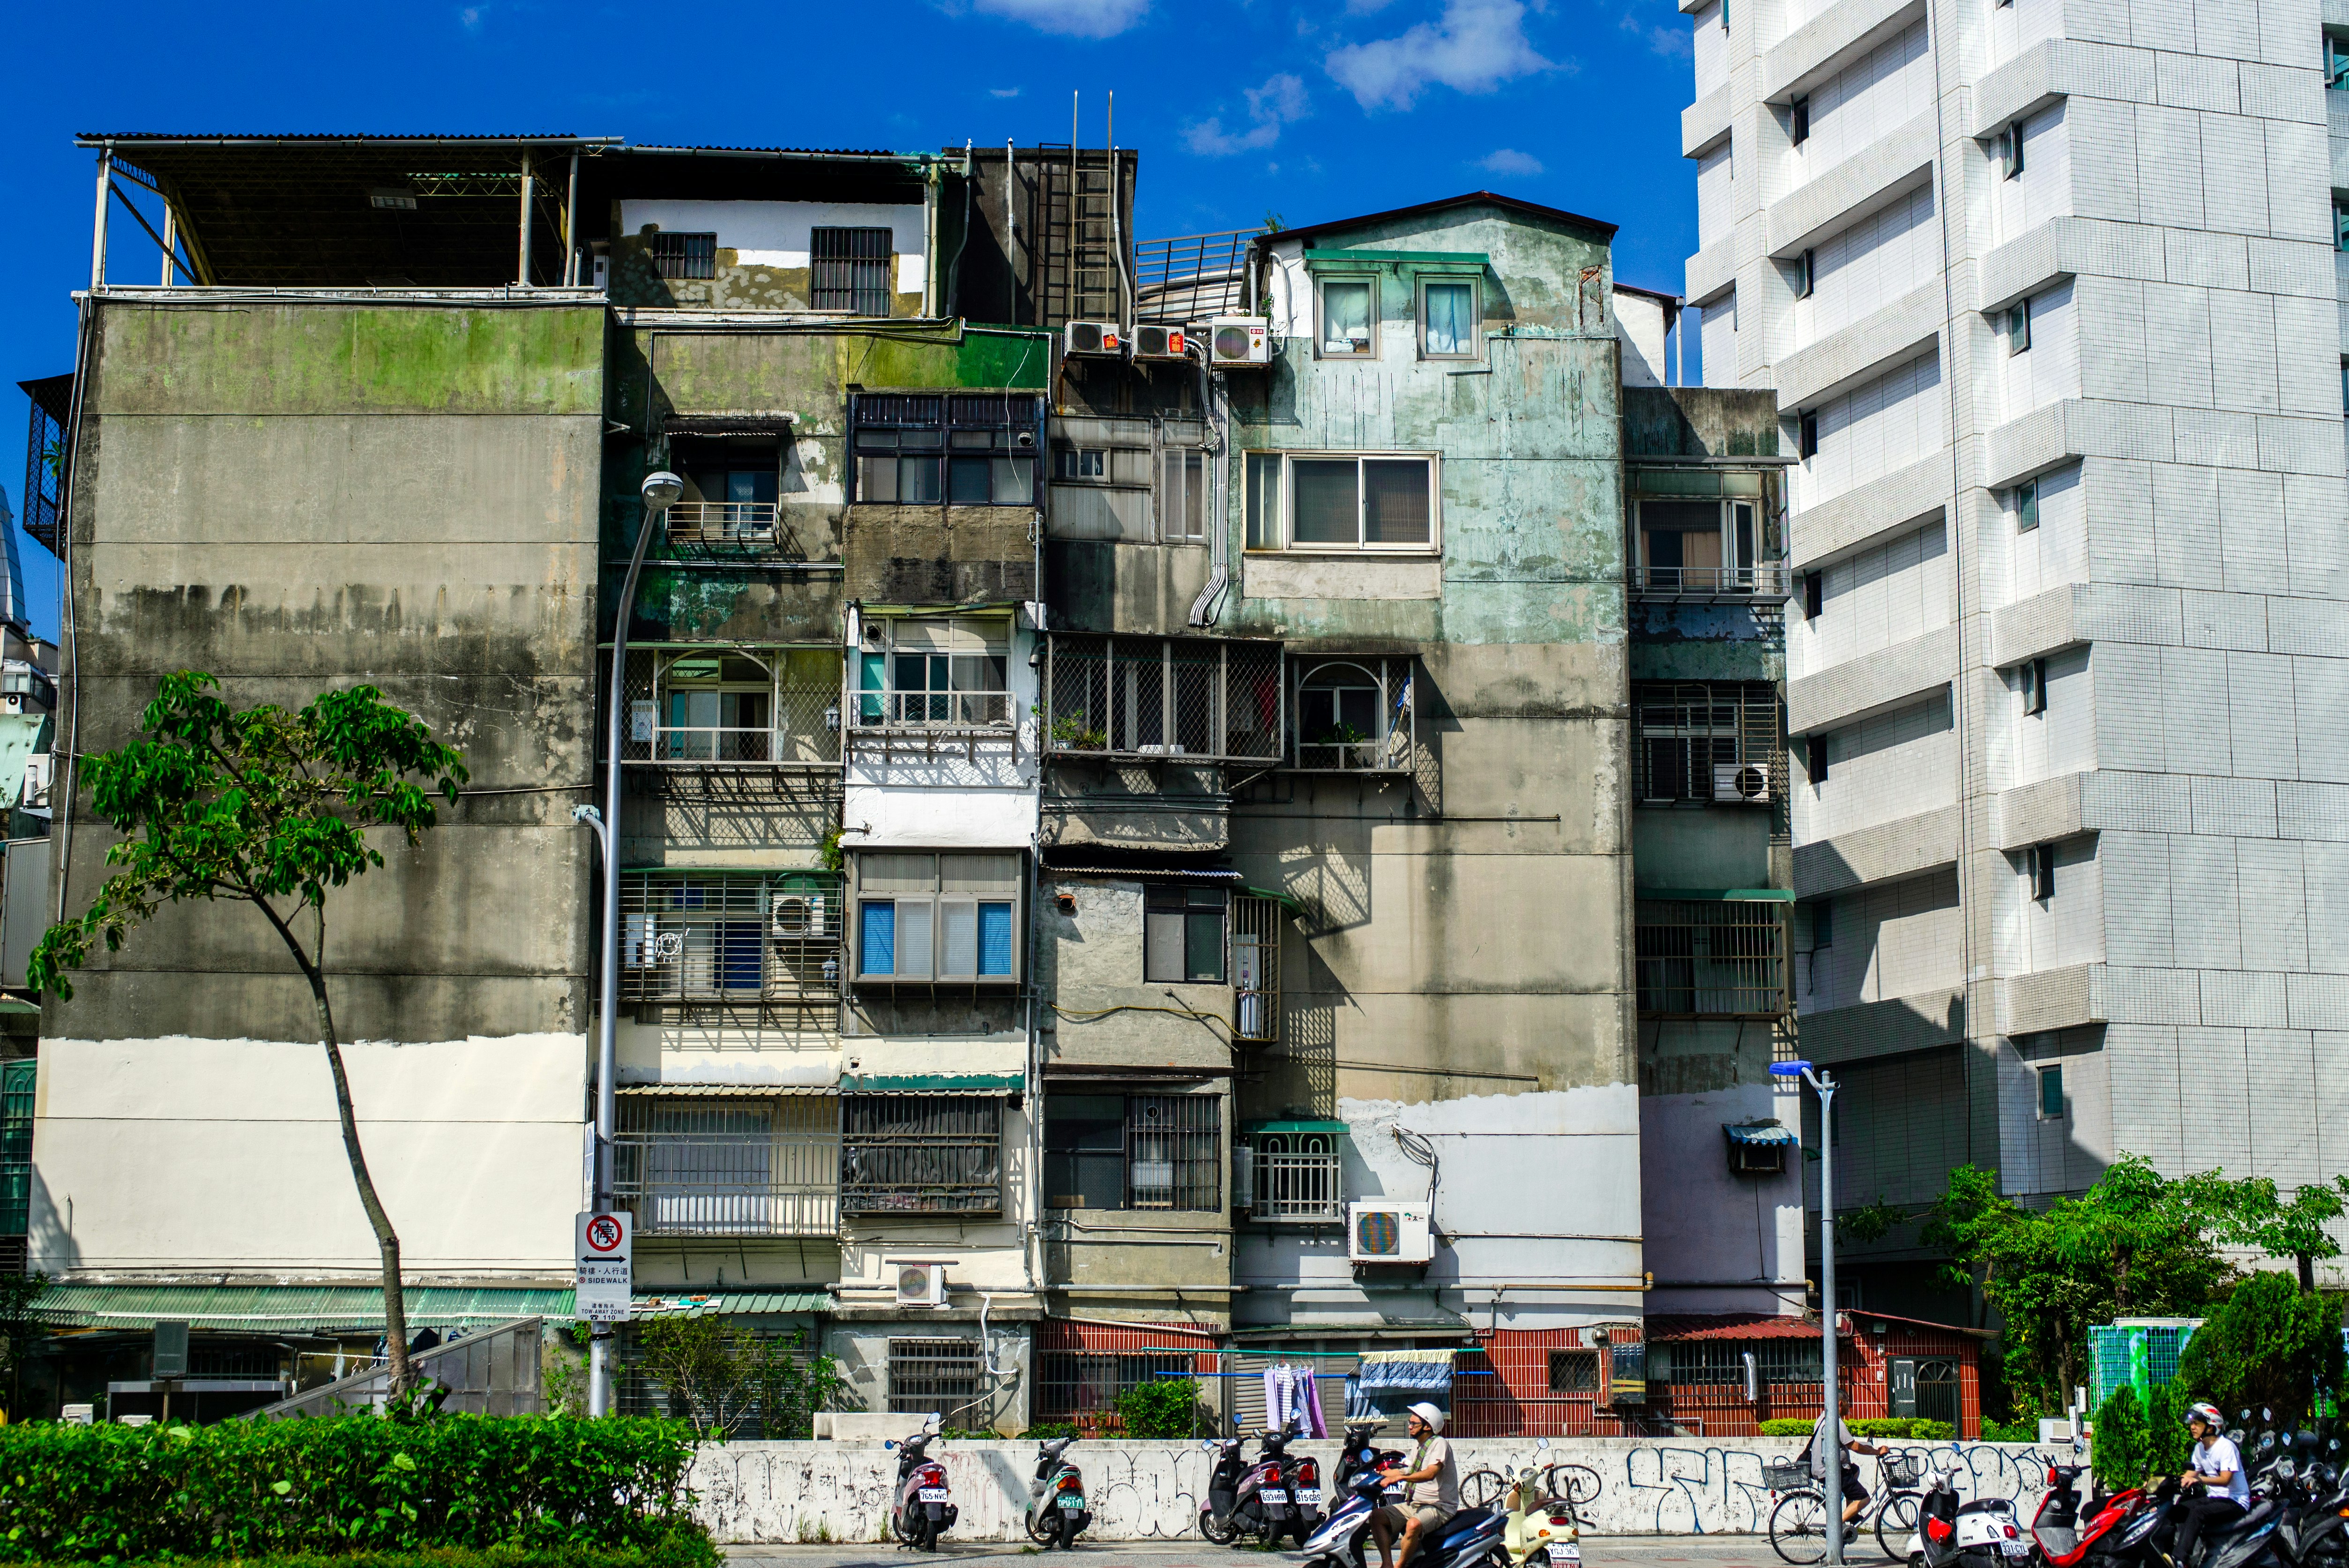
[
  {"x": 1388, "y": 1233},
  {"x": 921, "y": 1284},
  {"x": 1238, "y": 341},
  {"x": 798, "y": 914},
  {"x": 1102, "y": 337},
  {"x": 1161, "y": 343},
  {"x": 1741, "y": 782}
]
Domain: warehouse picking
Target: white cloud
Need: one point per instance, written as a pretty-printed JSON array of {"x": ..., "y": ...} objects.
[
  {"x": 1669, "y": 42},
  {"x": 1280, "y": 101},
  {"x": 1079, "y": 18},
  {"x": 1477, "y": 46},
  {"x": 1509, "y": 160},
  {"x": 470, "y": 18},
  {"x": 1003, "y": 92}
]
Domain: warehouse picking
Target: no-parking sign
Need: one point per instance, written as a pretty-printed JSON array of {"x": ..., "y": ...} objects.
[{"x": 606, "y": 1270}]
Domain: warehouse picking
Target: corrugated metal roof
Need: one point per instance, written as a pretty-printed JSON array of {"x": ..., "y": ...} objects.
[
  {"x": 1734, "y": 1325},
  {"x": 1202, "y": 873},
  {"x": 788, "y": 151},
  {"x": 266, "y": 1308},
  {"x": 729, "y": 1303},
  {"x": 315, "y": 137},
  {"x": 1759, "y": 1133}
]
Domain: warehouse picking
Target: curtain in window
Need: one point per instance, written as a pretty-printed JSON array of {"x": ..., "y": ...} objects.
[
  {"x": 1326, "y": 502},
  {"x": 1449, "y": 328},
  {"x": 1346, "y": 318},
  {"x": 1394, "y": 502}
]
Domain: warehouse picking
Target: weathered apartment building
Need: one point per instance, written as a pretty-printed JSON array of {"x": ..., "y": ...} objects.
[
  {"x": 1190, "y": 806},
  {"x": 2049, "y": 295}
]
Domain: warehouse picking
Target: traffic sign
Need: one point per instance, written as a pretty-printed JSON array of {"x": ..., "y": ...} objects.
[{"x": 604, "y": 1248}]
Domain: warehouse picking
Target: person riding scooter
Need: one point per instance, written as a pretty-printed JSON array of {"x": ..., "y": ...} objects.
[
  {"x": 1431, "y": 1494},
  {"x": 2216, "y": 1468}
]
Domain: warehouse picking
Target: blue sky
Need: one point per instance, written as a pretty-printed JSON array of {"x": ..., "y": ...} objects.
[{"x": 1309, "y": 108}]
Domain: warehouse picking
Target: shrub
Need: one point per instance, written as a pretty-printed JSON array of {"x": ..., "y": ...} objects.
[
  {"x": 682, "y": 1550},
  {"x": 2022, "y": 1430},
  {"x": 1784, "y": 1427},
  {"x": 1870, "y": 1427},
  {"x": 2122, "y": 1451},
  {"x": 1163, "y": 1408},
  {"x": 1048, "y": 1429},
  {"x": 2268, "y": 1344},
  {"x": 341, "y": 1485}
]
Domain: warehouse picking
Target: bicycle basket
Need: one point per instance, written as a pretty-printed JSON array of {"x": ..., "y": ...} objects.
[
  {"x": 1786, "y": 1475},
  {"x": 1904, "y": 1469}
]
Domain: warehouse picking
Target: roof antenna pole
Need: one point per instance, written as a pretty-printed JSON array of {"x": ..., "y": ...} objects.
[{"x": 98, "y": 240}]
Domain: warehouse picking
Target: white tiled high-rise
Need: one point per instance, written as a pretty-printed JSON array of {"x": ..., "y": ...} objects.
[{"x": 2047, "y": 290}]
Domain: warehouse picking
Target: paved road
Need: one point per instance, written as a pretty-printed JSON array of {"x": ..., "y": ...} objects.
[{"x": 1597, "y": 1552}]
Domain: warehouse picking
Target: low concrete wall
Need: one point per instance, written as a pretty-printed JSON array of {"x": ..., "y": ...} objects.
[{"x": 820, "y": 1491}]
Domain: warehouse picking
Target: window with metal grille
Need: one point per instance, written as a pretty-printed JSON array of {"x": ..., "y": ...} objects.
[
  {"x": 1355, "y": 714},
  {"x": 728, "y": 1167},
  {"x": 1299, "y": 1175},
  {"x": 1162, "y": 697},
  {"x": 921, "y": 1154},
  {"x": 961, "y": 448},
  {"x": 1710, "y": 958},
  {"x": 1718, "y": 741},
  {"x": 745, "y": 939},
  {"x": 684, "y": 255},
  {"x": 45, "y": 458},
  {"x": 948, "y": 672},
  {"x": 766, "y": 706},
  {"x": 1721, "y": 1363},
  {"x": 16, "y": 1084},
  {"x": 1574, "y": 1371},
  {"x": 940, "y": 1376},
  {"x": 1256, "y": 968},
  {"x": 849, "y": 270},
  {"x": 1133, "y": 1152}
]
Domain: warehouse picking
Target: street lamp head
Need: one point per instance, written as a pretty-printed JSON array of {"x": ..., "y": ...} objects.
[
  {"x": 1789, "y": 1070},
  {"x": 662, "y": 489}
]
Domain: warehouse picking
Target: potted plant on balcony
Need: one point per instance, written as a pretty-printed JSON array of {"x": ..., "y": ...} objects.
[{"x": 1070, "y": 733}]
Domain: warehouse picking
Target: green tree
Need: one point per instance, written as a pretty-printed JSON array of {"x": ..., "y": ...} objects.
[
  {"x": 2123, "y": 1454},
  {"x": 271, "y": 809},
  {"x": 2132, "y": 1243},
  {"x": 724, "y": 1375},
  {"x": 2257, "y": 1215},
  {"x": 2269, "y": 1343}
]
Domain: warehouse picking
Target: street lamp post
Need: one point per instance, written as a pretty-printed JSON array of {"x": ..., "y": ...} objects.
[
  {"x": 660, "y": 490},
  {"x": 1831, "y": 1460}
]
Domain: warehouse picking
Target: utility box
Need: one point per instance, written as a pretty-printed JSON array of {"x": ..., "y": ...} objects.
[{"x": 171, "y": 1350}]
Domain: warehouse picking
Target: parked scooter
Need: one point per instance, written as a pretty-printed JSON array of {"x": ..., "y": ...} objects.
[
  {"x": 1249, "y": 1499},
  {"x": 2070, "y": 1531},
  {"x": 924, "y": 1508},
  {"x": 1543, "y": 1529},
  {"x": 1360, "y": 1490},
  {"x": 1056, "y": 1497},
  {"x": 1981, "y": 1533}
]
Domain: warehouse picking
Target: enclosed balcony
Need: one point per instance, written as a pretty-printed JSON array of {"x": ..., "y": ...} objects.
[
  {"x": 768, "y": 945},
  {"x": 1354, "y": 715},
  {"x": 1209, "y": 699},
  {"x": 732, "y": 707},
  {"x": 1292, "y": 1172}
]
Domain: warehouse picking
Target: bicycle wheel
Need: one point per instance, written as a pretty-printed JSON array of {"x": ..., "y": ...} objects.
[
  {"x": 1482, "y": 1489},
  {"x": 1896, "y": 1522},
  {"x": 1798, "y": 1527}
]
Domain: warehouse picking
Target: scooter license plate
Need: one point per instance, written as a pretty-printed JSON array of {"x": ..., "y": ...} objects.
[
  {"x": 1072, "y": 1502},
  {"x": 1272, "y": 1495},
  {"x": 1309, "y": 1494},
  {"x": 934, "y": 1494},
  {"x": 2018, "y": 1550}
]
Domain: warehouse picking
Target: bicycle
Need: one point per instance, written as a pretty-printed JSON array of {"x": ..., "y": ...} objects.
[{"x": 1798, "y": 1521}]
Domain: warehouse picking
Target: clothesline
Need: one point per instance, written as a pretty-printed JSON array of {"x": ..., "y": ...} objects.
[{"x": 1180, "y": 1374}]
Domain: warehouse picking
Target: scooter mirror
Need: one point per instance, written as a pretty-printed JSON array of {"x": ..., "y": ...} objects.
[
  {"x": 888, "y": 1443},
  {"x": 1541, "y": 1442}
]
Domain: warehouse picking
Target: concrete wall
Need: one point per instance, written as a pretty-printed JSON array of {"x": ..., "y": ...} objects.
[
  {"x": 292, "y": 496},
  {"x": 821, "y": 1491}
]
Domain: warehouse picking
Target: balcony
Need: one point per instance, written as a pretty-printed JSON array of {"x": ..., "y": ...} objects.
[
  {"x": 1710, "y": 957},
  {"x": 1767, "y": 582},
  {"x": 1354, "y": 715},
  {"x": 724, "y": 528},
  {"x": 764, "y": 944},
  {"x": 1292, "y": 1173},
  {"x": 733, "y": 708},
  {"x": 1156, "y": 698},
  {"x": 728, "y": 1167}
]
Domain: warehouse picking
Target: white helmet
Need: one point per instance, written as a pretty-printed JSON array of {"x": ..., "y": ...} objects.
[
  {"x": 2208, "y": 1414},
  {"x": 1429, "y": 1414}
]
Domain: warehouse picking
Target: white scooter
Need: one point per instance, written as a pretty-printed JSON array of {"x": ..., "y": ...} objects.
[{"x": 1951, "y": 1534}]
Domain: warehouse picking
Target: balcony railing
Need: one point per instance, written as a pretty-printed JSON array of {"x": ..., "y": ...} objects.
[
  {"x": 1162, "y": 697},
  {"x": 721, "y": 522},
  {"x": 1298, "y": 1188},
  {"x": 891, "y": 709},
  {"x": 768, "y": 941},
  {"x": 1710, "y": 958},
  {"x": 729, "y": 1171},
  {"x": 1770, "y": 580}
]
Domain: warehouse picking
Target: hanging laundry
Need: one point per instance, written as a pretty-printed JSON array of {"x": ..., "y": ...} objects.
[
  {"x": 1310, "y": 1419},
  {"x": 1390, "y": 1381},
  {"x": 1275, "y": 1398}
]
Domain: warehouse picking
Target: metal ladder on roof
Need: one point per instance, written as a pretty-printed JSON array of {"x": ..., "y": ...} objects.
[{"x": 1070, "y": 221}]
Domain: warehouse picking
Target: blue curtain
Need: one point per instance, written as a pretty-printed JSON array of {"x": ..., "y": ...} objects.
[
  {"x": 994, "y": 939},
  {"x": 877, "y": 939}
]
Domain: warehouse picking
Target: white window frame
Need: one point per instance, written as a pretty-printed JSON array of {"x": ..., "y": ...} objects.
[
  {"x": 1081, "y": 465},
  {"x": 993, "y": 638},
  {"x": 1193, "y": 465},
  {"x": 1476, "y": 286},
  {"x": 1321, "y": 281},
  {"x": 1277, "y": 538},
  {"x": 932, "y": 906}
]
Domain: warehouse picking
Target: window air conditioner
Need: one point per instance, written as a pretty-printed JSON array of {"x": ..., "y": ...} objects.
[
  {"x": 1388, "y": 1233},
  {"x": 921, "y": 1284},
  {"x": 1741, "y": 782},
  {"x": 799, "y": 915},
  {"x": 1092, "y": 338},
  {"x": 1161, "y": 343},
  {"x": 1238, "y": 341}
]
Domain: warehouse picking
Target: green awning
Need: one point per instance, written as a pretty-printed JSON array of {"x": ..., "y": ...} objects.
[
  {"x": 932, "y": 1083},
  {"x": 1760, "y": 1132},
  {"x": 1422, "y": 261},
  {"x": 1287, "y": 901},
  {"x": 282, "y": 1308},
  {"x": 729, "y": 1303},
  {"x": 1338, "y": 1127},
  {"x": 1719, "y": 895}
]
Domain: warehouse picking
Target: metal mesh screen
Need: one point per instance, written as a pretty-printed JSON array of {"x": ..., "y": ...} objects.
[
  {"x": 728, "y": 1167},
  {"x": 921, "y": 1154},
  {"x": 770, "y": 941},
  {"x": 935, "y": 1375},
  {"x": 1691, "y": 737},
  {"x": 1163, "y": 697},
  {"x": 761, "y": 705},
  {"x": 1712, "y": 958},
  {"x": 1174, "y": 1151}
]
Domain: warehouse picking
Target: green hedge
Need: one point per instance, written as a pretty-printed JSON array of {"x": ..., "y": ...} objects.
[
  {"x": 1871, "y": 1429},
  {"x": 344, "y": 1485},
  {"x": 680, "y": 1551}
]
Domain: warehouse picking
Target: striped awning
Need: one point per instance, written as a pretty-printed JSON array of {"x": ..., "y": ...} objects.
[
  {"x": 1762, "y": 1132},
  {"x": 729, "y": 1303}
]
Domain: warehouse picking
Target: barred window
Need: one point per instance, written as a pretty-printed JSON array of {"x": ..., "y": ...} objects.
[
  {"x": 684, "y": 255},
  {"x": 1574, "y": 1371},
  {"x": 1133, "y": 1152},
  {"x": 1710, "y": 958},
  {"x": 921, "y": 1154},
  {"x": 964, "y": 448},
  {"x": 849, "y": 270},
  {"x": 938, "y": 1376},
  {"x": 1163, "y": 697},
  {"x": 1716, "y": 741},
  {"x": 1721, "y": 1363},
  {"x": 730, "y": 938},
  {"x": 728, "y": 1166}
]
